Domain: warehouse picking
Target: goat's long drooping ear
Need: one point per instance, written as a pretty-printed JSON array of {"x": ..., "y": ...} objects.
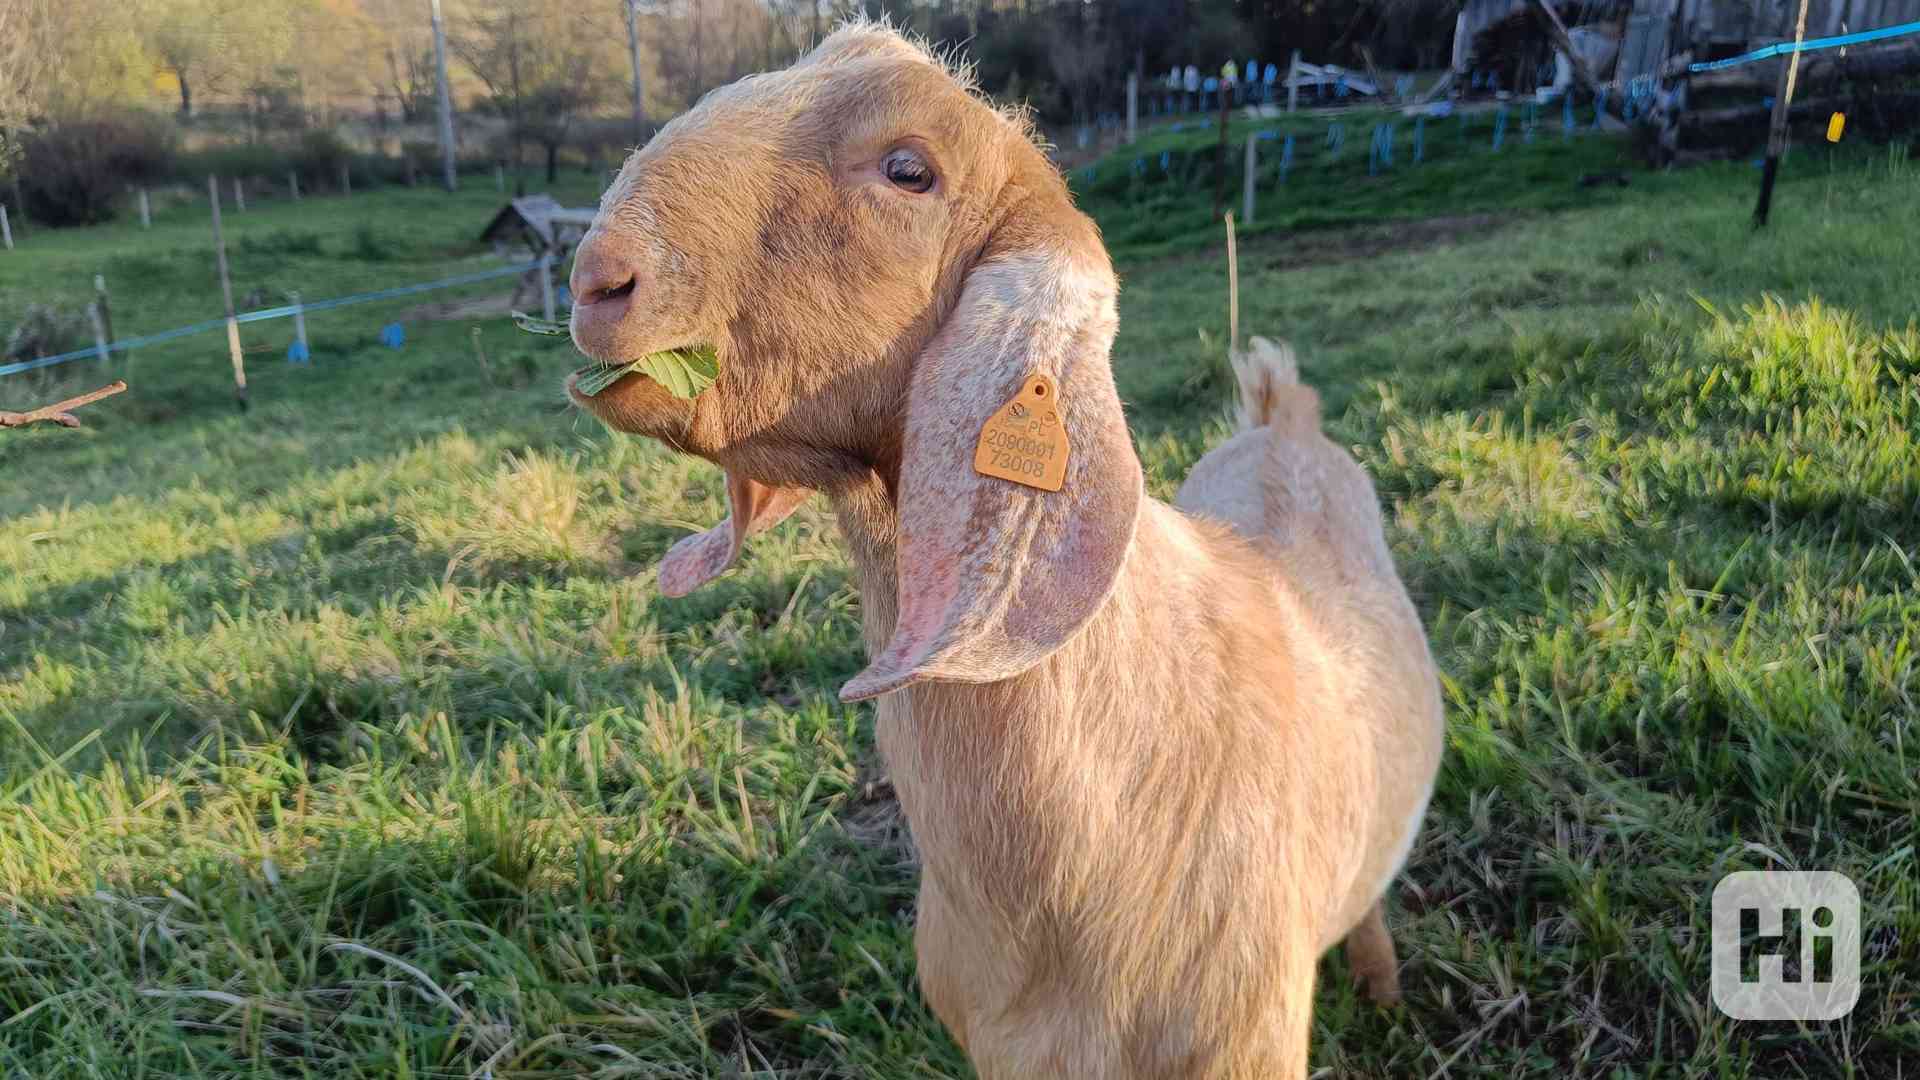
[
  {"x": 698, "y": 559},
  {"x": 996, "y": 575}
]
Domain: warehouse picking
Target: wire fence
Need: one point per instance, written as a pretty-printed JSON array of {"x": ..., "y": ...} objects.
[
  {"x": 1785, "y": 48},
  {"x": 284, "y": 312}
]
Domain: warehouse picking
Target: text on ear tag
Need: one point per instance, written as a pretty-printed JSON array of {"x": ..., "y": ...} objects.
[{"x": 1024, "y": 440}]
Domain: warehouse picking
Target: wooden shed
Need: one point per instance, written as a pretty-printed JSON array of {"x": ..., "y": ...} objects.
[{"x": 538, "y": 223}]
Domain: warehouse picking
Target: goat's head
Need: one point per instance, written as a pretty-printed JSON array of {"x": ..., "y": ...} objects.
[{"x": 881, "y": 261}]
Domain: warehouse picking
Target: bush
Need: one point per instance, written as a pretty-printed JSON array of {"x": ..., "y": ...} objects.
[
  {"x": 318, "y": 155},
  {"x": 72, "y": 171},
  {"x": 42, "y": 331},
  {"x": 243, "y": 160},
  {"x": 369, "y": 247},
  {"x": 604, "y": 142}
]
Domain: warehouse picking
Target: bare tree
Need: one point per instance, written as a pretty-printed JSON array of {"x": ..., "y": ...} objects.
[
  {"x": 543, "y": 67},
  {"x": 1080, "y": 58}
]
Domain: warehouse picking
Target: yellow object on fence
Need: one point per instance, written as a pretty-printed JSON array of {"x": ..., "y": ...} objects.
[{"x": 1835, "y": 126}]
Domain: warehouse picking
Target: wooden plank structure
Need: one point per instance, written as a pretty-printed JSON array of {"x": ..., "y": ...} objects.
[
  {"x": 544, "y": 228},
  {"x": 1652, "y": 32}
]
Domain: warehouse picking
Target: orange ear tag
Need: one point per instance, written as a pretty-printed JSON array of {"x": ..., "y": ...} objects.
[{"x": 1024, "y": 441}]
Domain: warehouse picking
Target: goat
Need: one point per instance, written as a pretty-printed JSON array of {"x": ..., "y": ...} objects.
[{"x": 1156, "y": 760}]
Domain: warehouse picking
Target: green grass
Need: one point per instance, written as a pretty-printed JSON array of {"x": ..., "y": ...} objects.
[
  {"x": 350, "y": 737},
  {"x": 1156, "y": 197}
]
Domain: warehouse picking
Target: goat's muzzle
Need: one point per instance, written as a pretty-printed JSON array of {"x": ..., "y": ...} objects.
[{"x": 604, "y": 284}]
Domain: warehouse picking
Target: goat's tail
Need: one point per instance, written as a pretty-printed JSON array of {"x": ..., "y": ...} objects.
[{"x": 1270, "y": 390}]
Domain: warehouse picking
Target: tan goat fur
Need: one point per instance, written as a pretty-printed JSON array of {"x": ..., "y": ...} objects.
[{"x": 1156, "y": 760}]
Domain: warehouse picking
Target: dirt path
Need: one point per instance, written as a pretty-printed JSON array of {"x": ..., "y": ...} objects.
[{"x": 478, "y": 307}]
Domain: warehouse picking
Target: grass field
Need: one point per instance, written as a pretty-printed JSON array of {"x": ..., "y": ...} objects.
[{"x": 349, "y": 736}]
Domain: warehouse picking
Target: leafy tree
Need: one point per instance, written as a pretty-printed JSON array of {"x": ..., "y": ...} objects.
[{"x": 216, "y": 44}]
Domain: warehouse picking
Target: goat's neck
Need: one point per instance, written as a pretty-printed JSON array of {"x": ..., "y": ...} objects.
[
  {"x": 1005, "y": 784},
  {"x": 870, "y": 525}
]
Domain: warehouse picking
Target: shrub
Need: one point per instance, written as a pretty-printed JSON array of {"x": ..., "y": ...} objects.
[
  {"x": 318, "y": 155},
  {"x": 244, "y": 160},
  {"x": 73, "y": 170},
  {"x": 42, "y": 331},
  {"x": 604, "y": 143},
  {"x": 369, "y": 247}
]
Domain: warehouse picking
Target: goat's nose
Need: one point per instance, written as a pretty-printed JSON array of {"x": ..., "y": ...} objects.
[{"x": 599, "y": 275}]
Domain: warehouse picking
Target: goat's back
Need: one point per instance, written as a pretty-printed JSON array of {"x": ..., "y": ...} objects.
[{"x": 1312, "y": 512}]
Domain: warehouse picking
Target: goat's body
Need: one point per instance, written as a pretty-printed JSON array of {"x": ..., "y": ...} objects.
[
  {"x": 1135, "y": 854},
  {"x": 1155, "y": 763}
]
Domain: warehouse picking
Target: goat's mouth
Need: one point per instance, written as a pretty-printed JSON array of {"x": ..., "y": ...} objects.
[
  {"x": 615, "y": 382},
  {"x": 648, "y": 396}
]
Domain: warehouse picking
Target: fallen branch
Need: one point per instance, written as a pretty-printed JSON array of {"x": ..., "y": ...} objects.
[
  {"x": 1557, "y": 30},
  {"x": 60, "y": 412}
]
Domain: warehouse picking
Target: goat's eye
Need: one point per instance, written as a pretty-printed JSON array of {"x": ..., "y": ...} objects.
[{"x": 908, "y": 171}]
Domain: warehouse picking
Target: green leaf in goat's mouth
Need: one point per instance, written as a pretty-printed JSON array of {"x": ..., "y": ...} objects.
[
  {"x": 544, "y": 327},
  {"x": 684, "y": 372}
]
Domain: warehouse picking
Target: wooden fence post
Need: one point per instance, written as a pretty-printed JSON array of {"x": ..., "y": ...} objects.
[
  {"x": 100, "y": 301},
  {"x": 1253, "y": 167},
  {"x": 1777, "y": 132},
  {"x": 239, "y": 196},
  {"x": 226, "y": 294},
  {"x": 1293, "y": 88},
  {"x": 1133, "y": 106},
  {"x": 346, "y": 179},
  {"x": 300, "y": 326},
  {"x": 1220, "y": 156},
  {"x": 546, "y": 284},
  {"x": 6, "y": 227},
  {"x": 100, "y": 348},
  {"x": 146, "y": 210}
]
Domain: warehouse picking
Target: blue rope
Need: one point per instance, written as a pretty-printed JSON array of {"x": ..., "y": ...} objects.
[
  {"x": 268, "y": 313},
  {"x": 1786, "y": 47}
]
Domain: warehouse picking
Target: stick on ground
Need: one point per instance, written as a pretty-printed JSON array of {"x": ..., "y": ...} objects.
[{"x": 60, "y": 412}]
